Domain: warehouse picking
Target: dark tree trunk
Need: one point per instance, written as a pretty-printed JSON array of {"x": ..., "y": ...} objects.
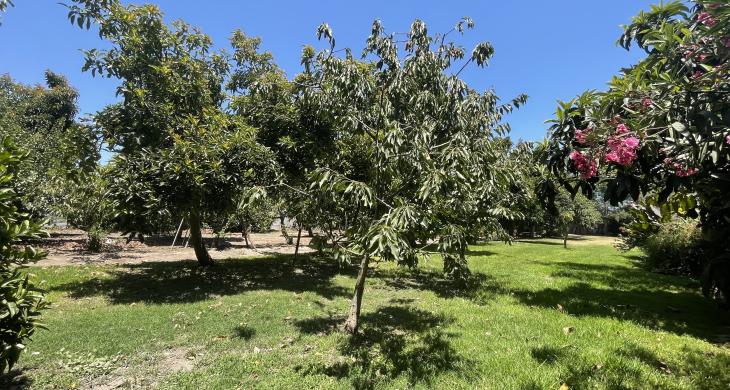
[
  {"x": 246, "y": 233},
  {"x": 565, "y": 238},
  {"x": 299, "y": 238},
  {"x": 310, "y": 233},
  {"x": 196, "y": 239},
  {"x": 353, "y": 320}
]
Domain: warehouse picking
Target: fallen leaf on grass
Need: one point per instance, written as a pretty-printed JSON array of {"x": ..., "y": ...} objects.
[
  {"x": 568, "y": 330},
  {"x": 665, "y": 368}
]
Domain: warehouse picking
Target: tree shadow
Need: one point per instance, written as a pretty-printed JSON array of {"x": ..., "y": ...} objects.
[
  {"x": 619, "y": 276},
  {"x": 15, "y": 380},
  {"x": 479, "y": 253},
  {"x": 395, "y": 341},
  {"x": 540, "y": 242},
  {"x": 244, "y": 332},
  {"x": 705, "y": 370},
  {"x": 672, "y": 311},
  {"x": 477, "y": 287},
  {"x": 185, "y": 281}
]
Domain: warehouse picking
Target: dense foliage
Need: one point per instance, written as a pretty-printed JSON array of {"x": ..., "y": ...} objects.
[
  {"x": 42, "y": 122},
  {"x": 20, "y": 301},
  {"x": 179, "y": 151},
  {"x": 661, "y": 131},
  {"x": 414, "y": 157}
]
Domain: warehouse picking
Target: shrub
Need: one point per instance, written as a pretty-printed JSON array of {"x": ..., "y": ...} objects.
[
  {"x": 95, "y": 239},
  {"x": 20, "y": 301},
  {"x": 675, "y": 248}
]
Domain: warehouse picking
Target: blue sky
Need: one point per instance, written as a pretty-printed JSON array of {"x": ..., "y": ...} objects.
[{"x": 549, "y": 50}]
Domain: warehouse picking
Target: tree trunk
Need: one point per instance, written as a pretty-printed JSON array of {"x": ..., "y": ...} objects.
[
  {"x": 246, "y": 233},
  {"x": 196, "y": 239},
  {"x": 299, "y": 238},
  {"x": 565, "y": 238},
  {"x": 310, "y": 233},
  {"x": 352, "y": 323}
]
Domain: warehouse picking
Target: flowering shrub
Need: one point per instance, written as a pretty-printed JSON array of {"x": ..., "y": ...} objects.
[{"x": 662, "y": 129}]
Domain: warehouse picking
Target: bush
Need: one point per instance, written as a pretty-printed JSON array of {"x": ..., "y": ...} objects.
[
  {"x": 675, "y": 248},
  {"x": 95, "y": 239},
  {"x": 20, "y": 302},
  {"x": 20, "y": 309}
]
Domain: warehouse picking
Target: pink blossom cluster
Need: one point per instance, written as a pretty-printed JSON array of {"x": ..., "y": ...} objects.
[
  {"x": 706, "y": 19},
  {"x": 681, "y": 170},
  {"x": 727, "y": 140},
  {"x": 647, "y": 102},
  {"x": 622, "y": 151},
  {"x": 726, "y": 42},
  {"x": 585, "y": 165},
  {"x": 580, "y": 136},
  {"x": 622, "y": 129}
]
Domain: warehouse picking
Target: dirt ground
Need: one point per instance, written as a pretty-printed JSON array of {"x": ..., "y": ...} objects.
[{"x": 66, "y": 247}]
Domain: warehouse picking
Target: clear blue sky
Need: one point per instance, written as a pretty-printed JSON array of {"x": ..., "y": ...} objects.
[{"x": 549, "y": 50}]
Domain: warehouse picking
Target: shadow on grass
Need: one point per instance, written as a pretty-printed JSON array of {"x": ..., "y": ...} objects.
[
  {"x": 180, "y": 282},
  {"x": 655, "y": 301},
  {"x": 395, "y": 341},
  {"x": 15, "y": 380},
  {"x": 244, "y": 332},
  {"x": 478, "y": 287},
  {"x": 540, "y": 242},
  {"x": 620, "y": 370}
]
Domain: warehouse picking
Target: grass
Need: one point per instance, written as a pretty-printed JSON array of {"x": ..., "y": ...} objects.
[{"x": 533, "y": 316}]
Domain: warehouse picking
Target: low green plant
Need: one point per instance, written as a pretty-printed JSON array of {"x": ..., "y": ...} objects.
[{"x": 675, "y": 248}]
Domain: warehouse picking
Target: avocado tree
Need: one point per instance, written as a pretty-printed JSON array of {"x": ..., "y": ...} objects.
[
  {"x": 292, "y": 127},
  {"x": 41, "y": 121},
  {"x": 179, "y": 151},
  {"x": 413, "y": 154},
  {"x": 22, "y": 302},
  {"x": 662, "y": 129}
]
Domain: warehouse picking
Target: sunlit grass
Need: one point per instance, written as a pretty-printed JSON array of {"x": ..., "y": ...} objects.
[{"x": 534, "y": 315}]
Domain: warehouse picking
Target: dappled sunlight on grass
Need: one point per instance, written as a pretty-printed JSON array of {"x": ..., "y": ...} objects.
[{"x": 530, "y": 316}]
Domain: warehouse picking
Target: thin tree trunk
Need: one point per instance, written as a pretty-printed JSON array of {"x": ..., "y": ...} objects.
[
  {"x": 565, "y": 238},
  {"x": 299, "y": 238},
  {"x": 353, "y": 320},
  {"x": 246, "y": 233},
  {"x": 196, "y": 239}
]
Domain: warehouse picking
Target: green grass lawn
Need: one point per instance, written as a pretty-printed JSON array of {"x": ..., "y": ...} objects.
[{"x": 534, "y": 315}]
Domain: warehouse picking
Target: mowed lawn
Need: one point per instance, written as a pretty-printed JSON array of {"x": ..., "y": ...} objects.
[{"x": 533, "y": 316}]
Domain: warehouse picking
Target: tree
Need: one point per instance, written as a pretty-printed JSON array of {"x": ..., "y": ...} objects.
[
  {"x": 21, "y": 302},
  {"x": 574, "y": 211},
  {"x": 42, "y": 122},
  {"x": 413, "y": 152},
  {"x": 661, "y": 129},
  {"x": 179, "y": 150},
  {"x": 299, "y": 135}
]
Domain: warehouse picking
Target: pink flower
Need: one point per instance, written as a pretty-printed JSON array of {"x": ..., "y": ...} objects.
[
  {"x": 622, "y": 151},
  {"x": 726, "y": 42},
  {"x": 727, "y": 140},
  {"x": 587, "y": 168},
  {"x": 647, "y": 102},
  {"x": 685, "y": 172},
  {"x": 631, "y": 142},
  {"x": 697, "y": 74},
  {"x": 680, "y": 169},
  {"x": 702, "y": 57},
  {"x": 580, "y": 136},
  {"x": 622, "y": 129},
  {"x": 706, "y": 19}
]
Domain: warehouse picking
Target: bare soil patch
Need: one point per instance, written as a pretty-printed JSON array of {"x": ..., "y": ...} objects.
[{"x": 67, "y": 247}]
